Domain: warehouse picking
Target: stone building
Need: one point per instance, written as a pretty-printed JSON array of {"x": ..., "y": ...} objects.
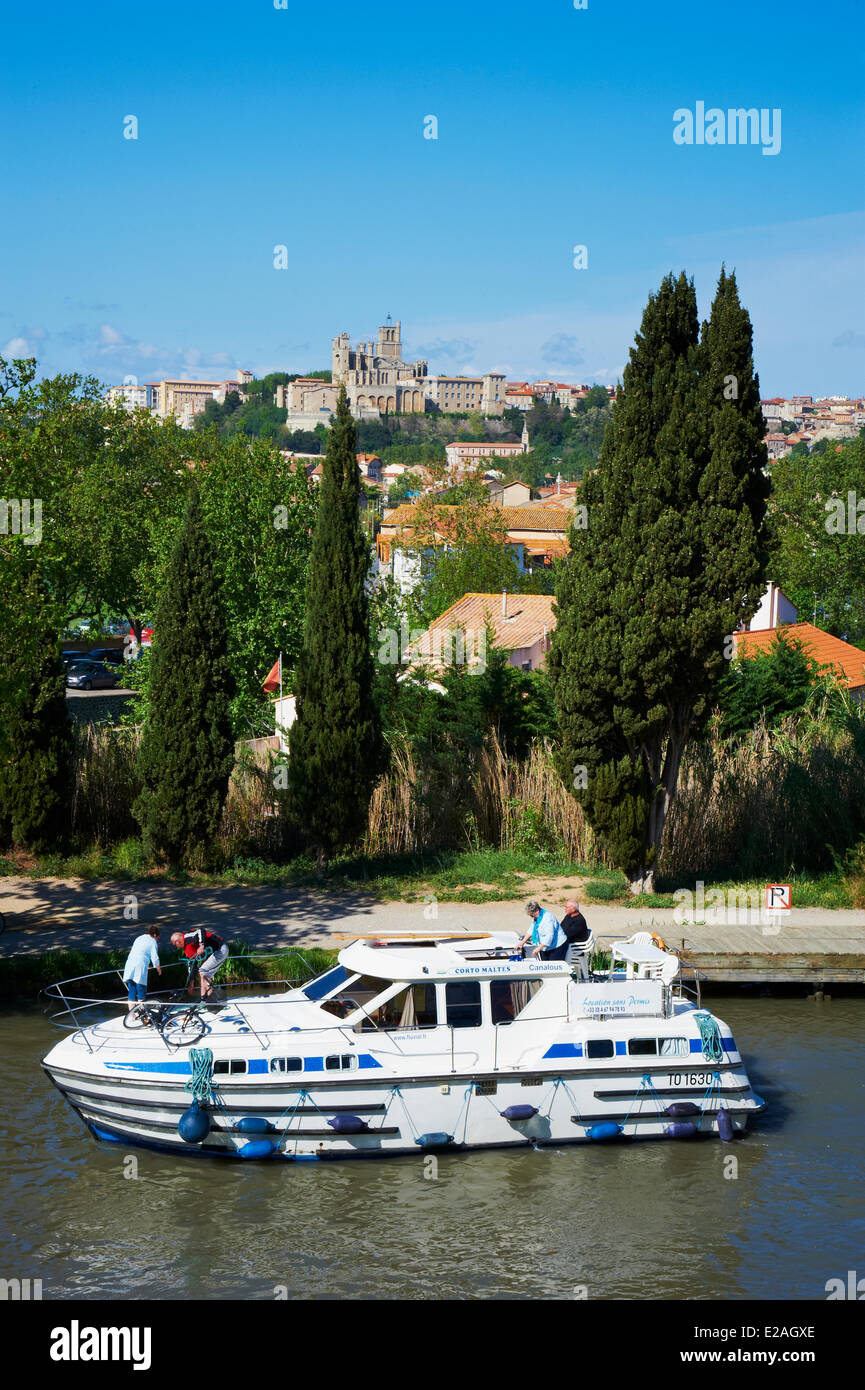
[{"x": 378, "y": 381}]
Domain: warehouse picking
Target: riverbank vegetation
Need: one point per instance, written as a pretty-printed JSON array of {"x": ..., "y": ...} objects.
[
  {"x": 475, "y": 798},
  {"x": 459, "y": 817},
  {"x": 23, "y": 976}
]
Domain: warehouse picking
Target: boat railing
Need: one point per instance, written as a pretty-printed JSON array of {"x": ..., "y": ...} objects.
[{"x": 84, "y": 999}]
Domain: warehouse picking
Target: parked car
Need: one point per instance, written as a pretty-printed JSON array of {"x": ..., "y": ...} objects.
[
  {"x": 66, "y": 657},
  {"x": 110, "y": 656},
  {"x": 90, "y": 675}
]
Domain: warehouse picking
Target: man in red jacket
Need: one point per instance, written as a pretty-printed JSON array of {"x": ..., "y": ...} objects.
[{"x": 195, "y": 944}]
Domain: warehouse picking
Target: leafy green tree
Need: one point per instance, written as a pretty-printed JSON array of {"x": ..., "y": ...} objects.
[
  {"x": 670, "y": 564},
  {"x": 473, "y": 567},
  {"x": 404, "y": 488},
  {"x": 35, "y": 732},
  {"x": 109, "y": 483},
  {"x": 187, "y": 750},
  {"x": 259, "y": 513},
  {"x": 769, "y": 685},
  {"x": 597, "y": 399},
  {"x": 478, "y": 701},
  {"x": 125, "y": 500},
  {"x": 818, "y": 537},
  {"x": 336, "y": 750}
]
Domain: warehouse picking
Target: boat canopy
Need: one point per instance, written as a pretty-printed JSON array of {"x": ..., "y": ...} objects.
[{"x": 444, "y": 957}]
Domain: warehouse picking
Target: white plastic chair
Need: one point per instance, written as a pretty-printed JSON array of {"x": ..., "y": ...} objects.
[{"x": 580, "y": 955}]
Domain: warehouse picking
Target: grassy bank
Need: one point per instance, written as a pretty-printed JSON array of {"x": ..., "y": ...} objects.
[
  {"x": 478, "y": 875},
  {"x": 24, "y": 976}
]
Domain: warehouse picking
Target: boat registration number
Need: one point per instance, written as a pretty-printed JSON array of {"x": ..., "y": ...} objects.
[{"x": 689, "y": 1078}]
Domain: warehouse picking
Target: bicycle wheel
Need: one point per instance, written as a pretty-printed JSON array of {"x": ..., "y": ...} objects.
[
  {"x": 184, "y": 1028},
  {"x": 139, "y": 1017}
]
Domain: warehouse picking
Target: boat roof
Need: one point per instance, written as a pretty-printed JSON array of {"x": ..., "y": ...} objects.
[{"x": 450, "y": 955}]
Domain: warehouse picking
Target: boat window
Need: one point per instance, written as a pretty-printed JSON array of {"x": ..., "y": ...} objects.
[
  {"x": 286, "y": 1064},
  {"x": 230, "y": 1066},
  {"x": 600, "y": 1047},
  {"x": 508, "y": 998},
  {"x": 412, "y": 1007},
  {"x": 356, "y": 993},
  {"x": 643, "y": 1047},
  {"x": 674, "y": 1047},
  {"x": 317, "y": 989},
  {"x": 464, "y": 1004},
  {"x": 345, "y": 1061}
]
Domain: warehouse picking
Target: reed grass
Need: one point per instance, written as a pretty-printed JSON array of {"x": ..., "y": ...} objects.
[{"x": 784, "y": 801}]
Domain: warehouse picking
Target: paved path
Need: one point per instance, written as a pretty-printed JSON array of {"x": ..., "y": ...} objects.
[{"x": 42, "y": 914}]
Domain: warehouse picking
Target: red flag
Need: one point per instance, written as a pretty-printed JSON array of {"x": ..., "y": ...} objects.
[{"x": 271, "y": 681}]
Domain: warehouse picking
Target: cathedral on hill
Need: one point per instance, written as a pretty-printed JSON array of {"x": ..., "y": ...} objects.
[{"x": 379, "y": 382}]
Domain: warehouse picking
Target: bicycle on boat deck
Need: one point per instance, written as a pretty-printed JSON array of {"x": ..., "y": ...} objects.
[{"x": 179, "y": 1025}]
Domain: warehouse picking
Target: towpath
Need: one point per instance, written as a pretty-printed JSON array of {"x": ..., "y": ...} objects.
[{"x": 45, "y": 914}]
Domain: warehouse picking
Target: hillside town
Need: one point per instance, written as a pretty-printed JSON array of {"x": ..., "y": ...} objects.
[{"x": 380, "y": 384}]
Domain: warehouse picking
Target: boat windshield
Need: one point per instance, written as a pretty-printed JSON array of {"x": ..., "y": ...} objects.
[{"x": 326, "y": 983}]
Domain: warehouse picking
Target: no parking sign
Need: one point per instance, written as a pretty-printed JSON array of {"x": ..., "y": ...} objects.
[{"x": 779, "y": 897}]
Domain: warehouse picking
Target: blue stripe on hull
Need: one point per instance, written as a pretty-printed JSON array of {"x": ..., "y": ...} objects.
[{"x": 255, "y": 1066}]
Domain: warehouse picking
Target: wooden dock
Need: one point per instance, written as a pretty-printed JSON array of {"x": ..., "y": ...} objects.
[
  {"x": 808, "y": 946},
  {"x": 789, "y": 967}
]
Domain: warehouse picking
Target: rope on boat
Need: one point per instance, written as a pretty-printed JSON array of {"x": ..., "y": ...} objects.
[
  {"x": 465, "y": 1106},
  {"x": 714, "y": 1084},
  {"x": 200, "y": 1082},
  {"x": 302, "y": 1097},
  {"x": 647, "y": 1088},
  {"x": 710, "y": 1036},
  {"x": 395, "y": 1091},
  {"x": 560, "y": 1081}
]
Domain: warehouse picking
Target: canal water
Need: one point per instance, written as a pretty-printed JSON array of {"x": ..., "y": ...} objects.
[{"x": 658, "y": 1220}]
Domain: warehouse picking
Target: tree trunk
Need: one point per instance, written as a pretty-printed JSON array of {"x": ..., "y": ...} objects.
[
  {"x": 643, "y": 883},
  {"x": 322, "y": 860}
]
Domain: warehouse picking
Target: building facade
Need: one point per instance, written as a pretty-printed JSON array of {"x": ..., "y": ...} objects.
[{"x": 379, "y": 381}]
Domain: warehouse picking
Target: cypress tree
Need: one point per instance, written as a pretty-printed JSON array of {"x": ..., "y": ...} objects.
[
  {"x": 187, "y": 749},
  {"x": 35, "y": 731},
  {"x": 336, "y": 749},
  {"x": 670, "y": 563}
]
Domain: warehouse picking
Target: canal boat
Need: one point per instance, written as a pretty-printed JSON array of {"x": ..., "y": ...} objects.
[{"x": 412, "y": 1044}]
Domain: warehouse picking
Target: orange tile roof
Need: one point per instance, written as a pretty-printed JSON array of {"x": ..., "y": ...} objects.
[
  {"x": 531, "y": 518},
  {"x": 529, "y": 616},
  {"x": 848, "y": 661},
  {"x": 556, "y": 549}
]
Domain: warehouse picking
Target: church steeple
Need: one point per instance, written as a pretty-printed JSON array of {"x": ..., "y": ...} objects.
[{"x": 525, "y": 439}]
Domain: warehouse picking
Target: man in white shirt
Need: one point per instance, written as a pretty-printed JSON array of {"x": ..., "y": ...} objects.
[{"x": 142, "y": 955}]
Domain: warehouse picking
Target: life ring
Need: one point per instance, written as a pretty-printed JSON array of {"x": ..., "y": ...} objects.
[{"x": 658, "y": 941}]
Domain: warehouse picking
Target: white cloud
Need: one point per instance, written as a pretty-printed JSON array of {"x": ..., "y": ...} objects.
[
  {"x": 562, "y": 350},
  {"x": 110, "y": 337},
  {"x": 17, "y": 347}
]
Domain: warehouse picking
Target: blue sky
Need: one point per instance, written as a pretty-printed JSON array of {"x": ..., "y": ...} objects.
[{"x": 260, "y": 127}]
